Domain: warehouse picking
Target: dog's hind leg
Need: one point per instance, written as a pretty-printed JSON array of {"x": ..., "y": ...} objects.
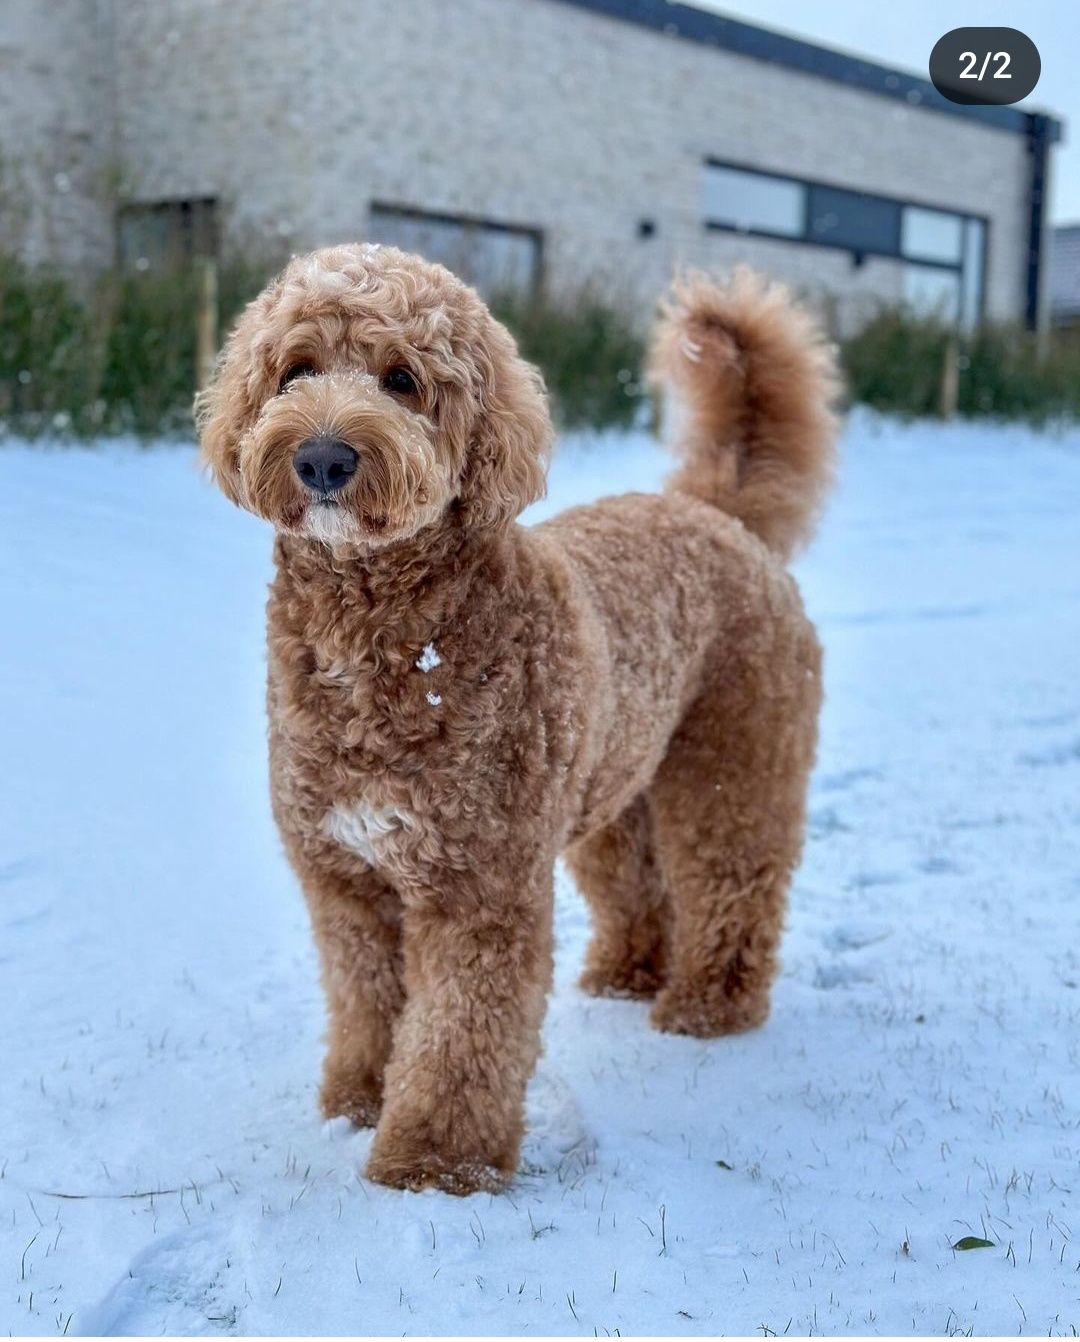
[
  {"x": 357, "y": 926},
  {"x": 728, "y": 804},
  {"x": 617, "y": 871}
]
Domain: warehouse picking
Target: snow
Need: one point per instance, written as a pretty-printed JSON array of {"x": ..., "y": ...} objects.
[
  {"x": 162, "y": 1163},
  {"x": 429, "y": 659}
]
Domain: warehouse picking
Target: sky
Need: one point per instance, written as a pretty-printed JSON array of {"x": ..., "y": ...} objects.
[{"x": 903, "y": 34}]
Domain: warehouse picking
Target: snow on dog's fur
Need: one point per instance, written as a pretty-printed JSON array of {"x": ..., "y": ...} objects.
[{"x": 633, "y": 683}]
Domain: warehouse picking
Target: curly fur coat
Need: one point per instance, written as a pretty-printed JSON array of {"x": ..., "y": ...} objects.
[{"x": 454, "y": 699}]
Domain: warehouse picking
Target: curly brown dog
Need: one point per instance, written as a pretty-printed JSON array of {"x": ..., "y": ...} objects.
[{"x": 455, "y": 699}]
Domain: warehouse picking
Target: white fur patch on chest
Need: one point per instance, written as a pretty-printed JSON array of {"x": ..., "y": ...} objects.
[{"x": 363, "y": 829}]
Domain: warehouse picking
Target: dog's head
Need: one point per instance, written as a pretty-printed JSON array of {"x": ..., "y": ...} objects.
[{"x": 367, "y": 394}]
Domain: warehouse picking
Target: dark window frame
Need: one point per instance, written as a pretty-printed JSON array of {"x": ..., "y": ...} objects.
[
  {"x": 806, "y": 239},
  {"x": 399, "y": 210},
  {"x": 198, "y": 221}
]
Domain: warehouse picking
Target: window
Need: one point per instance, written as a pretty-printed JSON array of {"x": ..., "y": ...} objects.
[
  {"x": 167, "y": 233},
  {"x": 752, "y": 201},
  {"x": 850, "y": 219},
  {"x": 974, "y": 252},
  {"x": 932, "y": 235},
  {"x": 943, "y": 249},
  {"x": 932, "y": 291},
  {"x": 497, "y": 258}
]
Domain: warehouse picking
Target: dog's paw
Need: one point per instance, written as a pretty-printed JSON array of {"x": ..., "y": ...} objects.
[
  {"x": 348, "y": 1093},
  {"x": 414, "y": 1149},
  {"x": 432, "y": 1170},
  {"x": 704, "y": 1015},
  {"x": 639, "y": 979}
]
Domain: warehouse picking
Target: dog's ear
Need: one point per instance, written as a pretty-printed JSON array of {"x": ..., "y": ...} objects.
[
  {"x": 506, "y": 466},
  {"x": 227, "y": 406},
  {"x": 222, "y": 410}
]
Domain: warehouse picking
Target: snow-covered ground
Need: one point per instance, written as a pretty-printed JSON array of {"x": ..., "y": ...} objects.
[{"x": 162, "y": 1164}]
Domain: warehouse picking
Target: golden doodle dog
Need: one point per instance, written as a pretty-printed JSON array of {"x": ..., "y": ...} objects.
[{"x": 455, "y": 699}]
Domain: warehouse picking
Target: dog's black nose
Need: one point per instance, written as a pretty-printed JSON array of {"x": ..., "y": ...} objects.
[{"x": 324, "y": 465}]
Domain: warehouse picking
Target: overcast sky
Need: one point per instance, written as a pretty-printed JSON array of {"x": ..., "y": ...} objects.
[{"x": 902, "y": 33}]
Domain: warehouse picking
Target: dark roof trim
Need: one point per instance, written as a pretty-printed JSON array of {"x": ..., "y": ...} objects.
[
  {"x": 716, "y": 30},
  {"x": 1039, "y": 141}
]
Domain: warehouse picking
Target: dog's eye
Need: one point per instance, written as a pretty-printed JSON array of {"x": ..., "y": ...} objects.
[
  {"x": 400, "y": 381},
  {"x": 293, "y": 372}
]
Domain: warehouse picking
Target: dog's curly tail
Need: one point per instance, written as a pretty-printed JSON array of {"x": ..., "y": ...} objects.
[{"x": 754, "y": 382}]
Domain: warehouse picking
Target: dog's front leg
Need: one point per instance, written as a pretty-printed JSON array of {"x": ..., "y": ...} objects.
[
  {"x": 357, "y": 926},
  {"x": 477, "y": 970}
]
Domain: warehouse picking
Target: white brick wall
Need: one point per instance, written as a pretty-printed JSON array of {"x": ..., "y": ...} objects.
[
  {"x": 55, "y": 130},
  {"x": 531, "y": 112}
]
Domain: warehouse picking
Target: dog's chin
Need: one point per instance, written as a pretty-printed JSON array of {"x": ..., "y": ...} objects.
[
  {"x": 333, "y": 524},
  {"x": 327, "y": 521}
]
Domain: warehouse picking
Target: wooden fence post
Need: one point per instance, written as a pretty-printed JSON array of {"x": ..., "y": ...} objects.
[
  {"x": 950, "y": 378},
  {"x": 206, "y": 323}
]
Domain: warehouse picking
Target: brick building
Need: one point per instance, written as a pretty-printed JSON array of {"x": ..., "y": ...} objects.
[
  {"x": 1065, "y": 277},
  {"x": 525, "y": 141}
]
